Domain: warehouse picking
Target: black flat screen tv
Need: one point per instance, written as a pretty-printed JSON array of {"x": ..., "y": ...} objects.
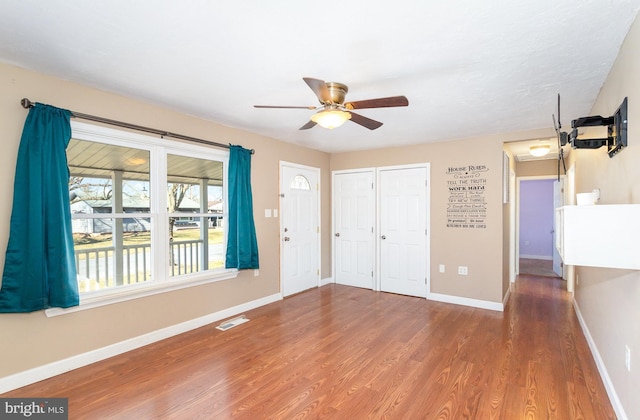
[{"x": 618, "y": 130}]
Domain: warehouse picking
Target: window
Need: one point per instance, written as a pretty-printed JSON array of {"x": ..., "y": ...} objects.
[
  {"x": 146, "y": 212},
  {"x": 300, "y": 182},
  {"x": 194, "y": 214},
  {"x": 111, "y": 214}
]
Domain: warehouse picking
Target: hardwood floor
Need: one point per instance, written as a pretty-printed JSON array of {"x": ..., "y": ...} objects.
[
  {"x": 536, "y": 267},
  {"x": 346, "y": 353}
]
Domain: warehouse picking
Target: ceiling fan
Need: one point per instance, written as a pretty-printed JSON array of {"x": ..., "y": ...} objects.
[{"x": 333, "y": 111}]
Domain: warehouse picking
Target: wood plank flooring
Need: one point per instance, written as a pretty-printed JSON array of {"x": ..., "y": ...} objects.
[
  {"x": 346, "y": 353},
  {"x": 536, "y": 267}
]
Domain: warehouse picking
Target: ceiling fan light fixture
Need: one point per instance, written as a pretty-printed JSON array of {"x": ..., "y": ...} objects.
[
  {"x": 539, "y": 150},
  {"x": 330, "y": 118}
]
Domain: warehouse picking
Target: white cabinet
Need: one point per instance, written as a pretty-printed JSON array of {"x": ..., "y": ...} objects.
[{"x": 601, "y": 235}]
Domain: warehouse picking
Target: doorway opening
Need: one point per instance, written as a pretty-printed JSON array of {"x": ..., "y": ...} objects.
[{"x": 538, "y": 197}]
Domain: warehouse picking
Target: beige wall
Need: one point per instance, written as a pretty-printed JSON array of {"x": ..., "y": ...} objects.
[
  {"x": 481, "y": 250},
  {"x": 609, "y": 300},
  {"x": 25, "y": 336},
  {"x": 538, "y": 168}
]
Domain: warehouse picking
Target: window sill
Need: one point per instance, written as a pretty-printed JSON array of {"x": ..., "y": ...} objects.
[{"x": 92, "y": 300}]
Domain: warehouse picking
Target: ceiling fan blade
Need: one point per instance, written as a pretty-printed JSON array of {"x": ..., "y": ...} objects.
[
  {"x": 364, "y": 121},
  {"x": 308, "y": 125},
  {"x": 284, "y": 106},
  {"x": 378, "y": 103},
  {"x": 319, "y": 87}
]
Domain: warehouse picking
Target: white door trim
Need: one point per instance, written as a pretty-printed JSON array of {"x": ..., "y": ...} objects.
[
  {"x": 563, "y": 179},
  {"x": 282, "y": 164}
]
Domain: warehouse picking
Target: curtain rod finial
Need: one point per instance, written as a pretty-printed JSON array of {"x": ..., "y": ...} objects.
[{"x": 26, "y": 103}]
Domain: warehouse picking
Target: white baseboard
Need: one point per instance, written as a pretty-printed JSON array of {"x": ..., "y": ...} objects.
[
  {"x": 602, "y": 369},
  {"x": 49, "y": 370},
  {"x": 475, "y": 303},
  {"x": 506, "y": 297},
  {"x": 326, "y": 281},
  {"x": 537, "y": 257}
]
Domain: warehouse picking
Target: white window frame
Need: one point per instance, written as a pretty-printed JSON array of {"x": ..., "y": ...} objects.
[{"x": 161, "y": 281}]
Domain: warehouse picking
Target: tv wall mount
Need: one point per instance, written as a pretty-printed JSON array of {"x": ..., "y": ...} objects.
[{"x": 616, "y": 125}]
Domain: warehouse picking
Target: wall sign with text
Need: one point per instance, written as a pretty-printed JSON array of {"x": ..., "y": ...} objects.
[{"x": 467, "y": 206}]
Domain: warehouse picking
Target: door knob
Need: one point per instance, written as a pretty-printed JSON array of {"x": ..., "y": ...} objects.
[
  {"x": 286, "y": 239},
  {"x": 337, "y": 234},
  {"x": 383, "y": 237}
]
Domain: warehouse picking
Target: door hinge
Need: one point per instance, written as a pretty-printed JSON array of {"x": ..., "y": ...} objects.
[
  {"x": 425, "y": 232},
  {"x": 425, "y": 280},
  {"x": 318, "y": 271},
  {"x": 372, "y": 185},
  {"x": 372, "y": 274},
  {"x": 317, "y": 229}
]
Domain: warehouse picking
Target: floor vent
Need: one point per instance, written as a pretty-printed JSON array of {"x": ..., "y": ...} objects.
[{"x": 226, "y": 325}]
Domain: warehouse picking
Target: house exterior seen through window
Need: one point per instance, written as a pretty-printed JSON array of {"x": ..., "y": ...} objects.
[{"x": 145, "y": 211}]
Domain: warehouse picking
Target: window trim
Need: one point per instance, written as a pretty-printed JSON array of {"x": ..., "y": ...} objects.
[
  {"x": 163, "y": 282},
  {"x": 100, "y": 298}
]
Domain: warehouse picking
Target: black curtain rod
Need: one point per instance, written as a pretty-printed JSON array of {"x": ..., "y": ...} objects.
[{"x": 26, "y": 103}]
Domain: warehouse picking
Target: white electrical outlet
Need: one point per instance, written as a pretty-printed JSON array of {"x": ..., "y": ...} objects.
[
  {"x": 256, "y": 273},
  {"x": 463, "y": 271},
  {"x": 441, "y": 268},
  {"x": 627, "y": 357}
]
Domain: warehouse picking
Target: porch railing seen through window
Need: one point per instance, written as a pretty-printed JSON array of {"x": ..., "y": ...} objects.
[{"x": 96, "y": 267}]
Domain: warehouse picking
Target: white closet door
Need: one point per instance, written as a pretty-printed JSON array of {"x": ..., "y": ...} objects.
[
  {"x": 354, "y": 210},
  {"x": 403, "y": 234}
]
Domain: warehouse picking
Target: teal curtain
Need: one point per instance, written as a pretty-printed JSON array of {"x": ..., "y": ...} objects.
[
  {"x": 242, "y": 245},
  {"x": 39, "y": 269}
]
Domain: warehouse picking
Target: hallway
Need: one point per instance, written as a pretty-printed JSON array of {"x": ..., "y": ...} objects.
[{"x": 537, "y": 267}]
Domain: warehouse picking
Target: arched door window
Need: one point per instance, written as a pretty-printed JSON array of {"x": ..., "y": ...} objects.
[{"x": 299, "y": 182}]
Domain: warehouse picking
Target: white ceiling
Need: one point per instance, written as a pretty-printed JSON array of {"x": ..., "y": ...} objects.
[{"x": 468, "y": 67}]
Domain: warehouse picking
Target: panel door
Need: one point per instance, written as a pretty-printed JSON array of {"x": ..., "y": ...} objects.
[
  {"x": 403, "y": 235},
  {"x": 354, "y": 242},
  {"x": 300, "y": 230},
  {"x": 558, "y": 201}
]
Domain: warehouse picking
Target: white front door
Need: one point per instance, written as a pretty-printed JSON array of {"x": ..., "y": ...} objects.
[
  {"x": 299, "y": 228},
  {"x": 354, "y": 205},
  {"x": 403, "y": 235}
]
